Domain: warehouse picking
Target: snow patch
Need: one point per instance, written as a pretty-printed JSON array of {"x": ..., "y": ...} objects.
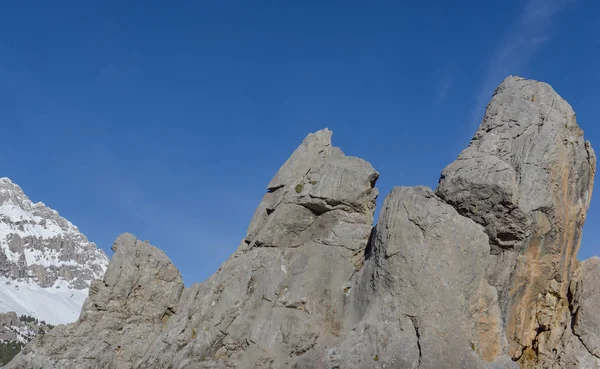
[
  {"x": 47, "y": 229},
  {"x": 16, "y": 214},
  {"x": 58, "y": 304}
]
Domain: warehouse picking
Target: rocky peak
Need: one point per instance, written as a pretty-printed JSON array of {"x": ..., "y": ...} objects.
[
  {"x": 40, "y": 245},
  {"x": 479, "y": 274},
  {"x": 317, "y": 179},
  {"x": 18, "y": 208},
  {"x": 527, "y": 177},
  {"x": 526, "y": 154}
]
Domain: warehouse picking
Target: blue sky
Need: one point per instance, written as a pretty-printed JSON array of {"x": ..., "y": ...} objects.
[{"x": 168, "y": 119}]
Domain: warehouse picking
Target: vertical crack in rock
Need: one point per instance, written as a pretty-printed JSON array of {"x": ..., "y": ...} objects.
[
  {"x": 415, "y": 324},
  {"x": 584, "y": 304}
]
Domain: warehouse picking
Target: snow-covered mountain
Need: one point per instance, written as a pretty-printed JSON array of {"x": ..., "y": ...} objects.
[{"x": 46, "y": 264}]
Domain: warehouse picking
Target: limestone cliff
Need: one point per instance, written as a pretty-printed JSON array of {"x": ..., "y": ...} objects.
[
  {"x": 480, "y": 273},
  {"x": 527, "y": 177}
]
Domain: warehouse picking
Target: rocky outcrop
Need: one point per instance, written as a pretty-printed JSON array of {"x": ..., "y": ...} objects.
[
  {"x": 133, "y": 304},
  {"x": 527, "y": 177},
  {"x": 479, "y": 274},
  {"x": 293, "y": 271},
  {"x": 430, "y": 304}
]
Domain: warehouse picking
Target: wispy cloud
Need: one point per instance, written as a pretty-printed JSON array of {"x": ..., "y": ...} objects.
[
  {"x": 530, "y": 32},
  {"x": 444, "y": 86}
]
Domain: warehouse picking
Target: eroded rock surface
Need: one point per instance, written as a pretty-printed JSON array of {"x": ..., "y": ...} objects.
[
  {"x": 130, "y": 306},
  {"x": 480, "y": 274},
  {"x": 587, "y": 306},
  {"x": 284, "y": 294},
  {"x": 431, "y": 305},
  {"x": 527, "y": 177}
]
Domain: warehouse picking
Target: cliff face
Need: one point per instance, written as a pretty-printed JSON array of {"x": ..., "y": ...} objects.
[
  {"x": 480, "y": 273},
  {"x": 527, "y": 177}
]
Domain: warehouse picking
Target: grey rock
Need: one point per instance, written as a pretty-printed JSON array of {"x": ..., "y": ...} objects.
[
  {"x": 578, "y": 344},
  {"x": 586, "y": 305},
  {"x": 527, "y": 177},
  {"x": 480, "y": 274},
  {"x": 431, "y": 305},
  {"x": 275, "y": 303},
  {"x": 125, "y": 310},
  {"x": 293, "y": 271},
  {"x": 316, "y": 179}
]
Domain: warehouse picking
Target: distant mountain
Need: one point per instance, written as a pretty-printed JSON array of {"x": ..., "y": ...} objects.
[{"x": 46, "y": 263}]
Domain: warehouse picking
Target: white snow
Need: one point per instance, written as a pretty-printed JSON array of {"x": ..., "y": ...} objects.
[
  {"x": 15, "y": 213},
  {"x": 48, "y": 230},
  {"x": 56, "y": 305}
]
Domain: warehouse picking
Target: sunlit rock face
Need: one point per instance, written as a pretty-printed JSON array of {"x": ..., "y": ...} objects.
[{"x": 480, "y": 273}]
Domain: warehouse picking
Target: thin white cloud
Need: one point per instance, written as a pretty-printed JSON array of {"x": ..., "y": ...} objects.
[
  {"x": 531, "y": 31},
  {"x": 444, "y": 86}
]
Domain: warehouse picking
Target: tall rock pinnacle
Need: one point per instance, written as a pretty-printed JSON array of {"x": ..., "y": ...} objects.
[
  {"x": 480, "y": 274},
  {"x": 527, "y": 177}
]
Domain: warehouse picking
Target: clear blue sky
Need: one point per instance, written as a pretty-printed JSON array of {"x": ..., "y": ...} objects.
[{"x": 168, "y": 119}]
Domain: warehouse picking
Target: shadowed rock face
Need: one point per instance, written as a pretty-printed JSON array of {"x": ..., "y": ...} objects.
[{"x": 480, "y": 274}]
